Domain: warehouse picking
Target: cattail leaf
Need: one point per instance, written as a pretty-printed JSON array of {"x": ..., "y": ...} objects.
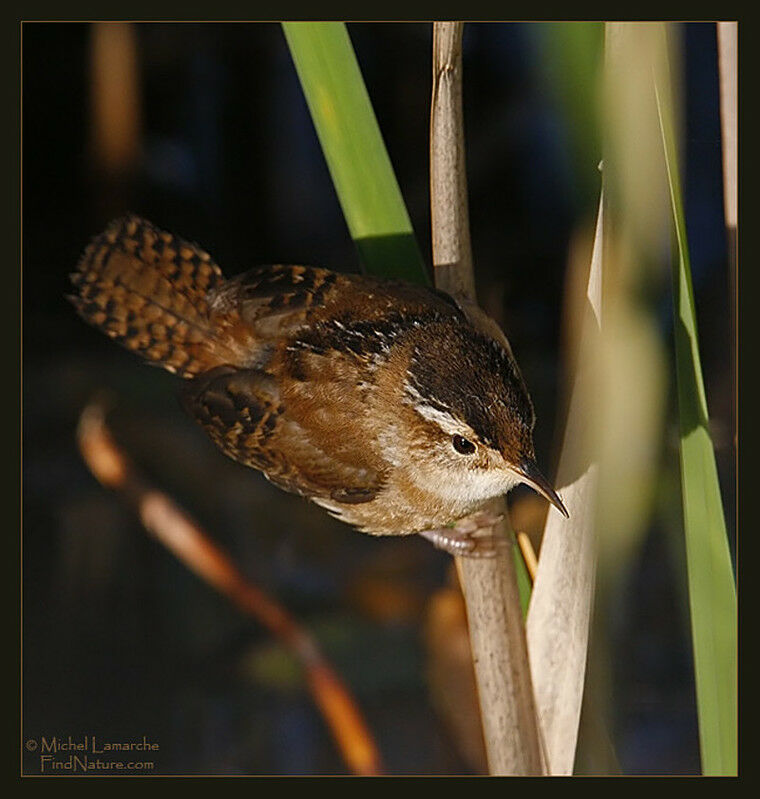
[
  {"x": 353, "y": 146},
  {"x": 712, "y": 591}
]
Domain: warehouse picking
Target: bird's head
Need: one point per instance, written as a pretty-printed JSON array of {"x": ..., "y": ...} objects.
[{"x": 472, "y": 429}]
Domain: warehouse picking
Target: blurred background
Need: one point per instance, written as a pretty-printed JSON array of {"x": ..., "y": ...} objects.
[{"x": 203, "y": 129}]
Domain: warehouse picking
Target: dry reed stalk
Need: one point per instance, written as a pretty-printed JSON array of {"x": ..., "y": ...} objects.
[
  {"x": 727, "y": 60},
  {"x": 497, "y": 634}
]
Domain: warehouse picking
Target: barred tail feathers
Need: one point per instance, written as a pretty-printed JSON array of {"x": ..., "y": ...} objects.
[{"x": 149, "y": 290}]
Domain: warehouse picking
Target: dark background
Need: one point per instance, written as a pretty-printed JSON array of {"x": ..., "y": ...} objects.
[{"x": 120, "y": 640}]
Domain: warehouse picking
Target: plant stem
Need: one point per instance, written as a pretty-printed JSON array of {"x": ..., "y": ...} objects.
[{"x": 497, "y": 635}]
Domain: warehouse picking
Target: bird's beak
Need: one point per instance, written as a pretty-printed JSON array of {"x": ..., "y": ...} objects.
[{"x": 530, "y": 474}]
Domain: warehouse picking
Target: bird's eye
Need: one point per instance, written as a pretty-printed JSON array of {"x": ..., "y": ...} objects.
[{"x": 462, "y": 445}]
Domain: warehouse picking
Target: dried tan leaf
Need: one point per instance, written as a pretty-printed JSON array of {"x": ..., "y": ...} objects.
[{"x": 560, "y": 607}]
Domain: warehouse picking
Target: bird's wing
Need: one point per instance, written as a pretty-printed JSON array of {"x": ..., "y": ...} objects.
[{"x": 242, "y": 411}]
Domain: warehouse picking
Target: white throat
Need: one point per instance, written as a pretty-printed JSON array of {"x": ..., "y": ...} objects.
[{"x": 471, "y": 487}]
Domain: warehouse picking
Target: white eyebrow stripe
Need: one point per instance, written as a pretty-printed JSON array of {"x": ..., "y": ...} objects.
[{"x": 445, "y": 421}]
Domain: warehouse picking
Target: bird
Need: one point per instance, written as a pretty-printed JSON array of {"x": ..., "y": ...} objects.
[{"x": 398, "y": 408}]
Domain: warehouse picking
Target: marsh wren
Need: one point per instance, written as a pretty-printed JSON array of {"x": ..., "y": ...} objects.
[{"x": 397, "y": 408}]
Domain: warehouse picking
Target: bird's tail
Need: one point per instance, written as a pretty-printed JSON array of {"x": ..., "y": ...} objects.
[{"x": 151, "y": 292}]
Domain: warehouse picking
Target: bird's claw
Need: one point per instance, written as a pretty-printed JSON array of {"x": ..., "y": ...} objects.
[{"x": 463, "y": 538}]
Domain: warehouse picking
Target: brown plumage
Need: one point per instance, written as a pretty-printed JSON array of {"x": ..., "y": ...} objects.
[{"x": 396, "y": 407}]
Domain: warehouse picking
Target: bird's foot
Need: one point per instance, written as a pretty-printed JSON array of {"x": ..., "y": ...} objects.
[{"x": 471, "y": 537}]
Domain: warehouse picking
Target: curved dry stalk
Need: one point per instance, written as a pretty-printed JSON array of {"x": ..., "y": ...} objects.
[
  {"x": 497, "y": 635},
  {"x": 185, "y": 538},
  {"x": 560, "y": 609}
]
